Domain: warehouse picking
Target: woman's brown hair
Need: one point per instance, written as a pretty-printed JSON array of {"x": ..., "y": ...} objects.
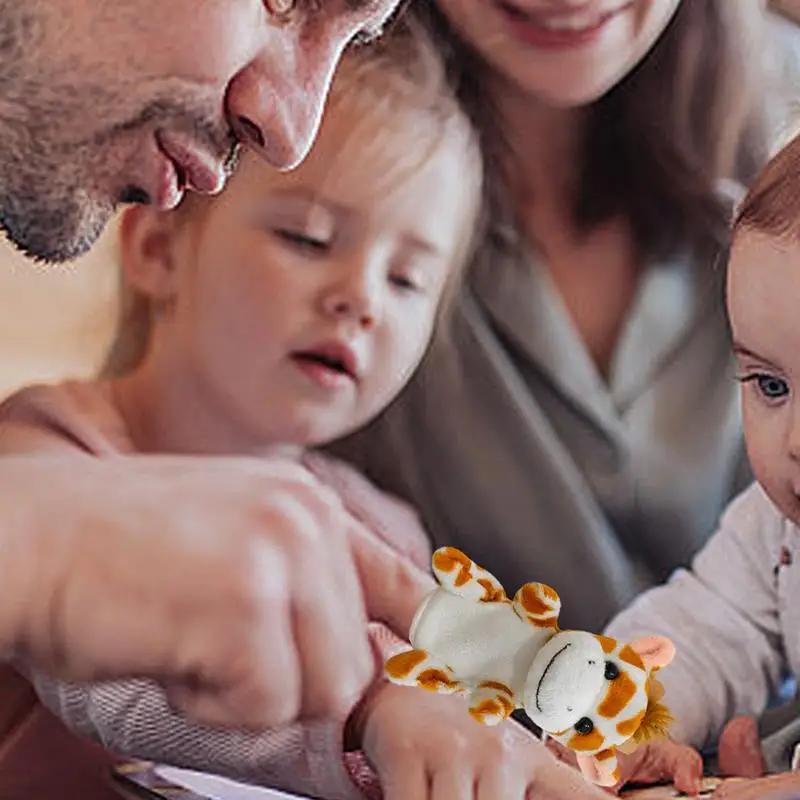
[{"x": 657, "y": 145}]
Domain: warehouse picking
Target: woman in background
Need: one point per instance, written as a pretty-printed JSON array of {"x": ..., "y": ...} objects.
[{"x": 577, "y": 422}]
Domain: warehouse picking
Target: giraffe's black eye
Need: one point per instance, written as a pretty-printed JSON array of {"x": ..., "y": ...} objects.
[
  {"x": 612, "y": 671},
  {"x": 584, "y": 726}
]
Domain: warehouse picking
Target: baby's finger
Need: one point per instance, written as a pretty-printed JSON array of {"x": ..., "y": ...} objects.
[
  {"x": 740, "y": 751},
  {"x": 687, "y": 770}
]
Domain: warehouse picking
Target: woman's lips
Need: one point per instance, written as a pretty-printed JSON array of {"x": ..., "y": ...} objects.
[{"x": 556, "y": 30}]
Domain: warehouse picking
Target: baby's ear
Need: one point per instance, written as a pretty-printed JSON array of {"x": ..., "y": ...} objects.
[{"x": 655, "y": 651}]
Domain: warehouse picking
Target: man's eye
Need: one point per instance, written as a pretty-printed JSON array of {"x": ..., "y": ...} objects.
[
  {"x": 366, "y": 37},
  {"x": 302, "y": 240},
  {"x": 769, "y": 386},
  {"x": 280, "y": 7}
]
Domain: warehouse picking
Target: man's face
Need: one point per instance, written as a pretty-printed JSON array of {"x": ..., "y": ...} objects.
[{"x": 108, "y": 102}]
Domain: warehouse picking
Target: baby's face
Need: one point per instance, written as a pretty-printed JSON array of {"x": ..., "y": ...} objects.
[
  {"x": 764, "y": 308},
  {"x": 306, "y": 299}
]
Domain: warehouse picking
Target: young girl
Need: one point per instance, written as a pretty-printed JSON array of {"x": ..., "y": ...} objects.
[
  {"x": 735, "y": 616},
  {"x": 276, "y": 317}
]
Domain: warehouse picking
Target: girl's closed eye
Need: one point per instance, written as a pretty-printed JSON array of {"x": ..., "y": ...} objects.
[
  {"x": 406, "y": 282},
  {"x": 303, "y": 241},
  {"x": 771, "y": 388}
]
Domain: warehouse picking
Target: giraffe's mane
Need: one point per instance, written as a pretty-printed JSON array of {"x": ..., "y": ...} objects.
[{"x": 657, "y": 717}]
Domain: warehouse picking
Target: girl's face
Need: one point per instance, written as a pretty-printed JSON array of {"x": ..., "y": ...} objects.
[
  {"x": 301, "y": 302},
  {"x": 763, "y": 298},
  {"x": 566, "y": 53}
]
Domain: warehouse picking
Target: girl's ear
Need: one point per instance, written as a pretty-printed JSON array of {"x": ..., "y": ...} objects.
[
  {"x": 655, "y": 651},
  {"x": 147, "y": 249}
]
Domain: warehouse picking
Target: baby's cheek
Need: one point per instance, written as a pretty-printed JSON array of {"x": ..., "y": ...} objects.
[{"x": 763, "y": 442}]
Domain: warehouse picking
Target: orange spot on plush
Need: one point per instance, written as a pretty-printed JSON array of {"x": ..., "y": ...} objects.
[
  {"x": 501, "y": 687},
  {"x": 532, "y": 603},
  {"x": 486, "y": 708},
  {"x": 629, "y": 655},
  {"x": 607, "y": 643},
  {"x": 434, "y": 679},
  {"x": 584, "y": 743},
  {"x": 620, "y": 693},
  {"x": 449, "y": 559},
  {"x": 403, "y": 664},
  {"x": 629, "y": 726},
  {"x": 492, "y": 593}
]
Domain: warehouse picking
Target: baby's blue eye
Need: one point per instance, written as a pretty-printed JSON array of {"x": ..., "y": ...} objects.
[
  {"x": 769, "y": 386},
  {"x": 772, "y": 387}
]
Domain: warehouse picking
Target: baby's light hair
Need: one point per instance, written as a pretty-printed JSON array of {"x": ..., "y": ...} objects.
[
  {"x": 398, "y": 85},
  {"x": 772, "y": 206}
]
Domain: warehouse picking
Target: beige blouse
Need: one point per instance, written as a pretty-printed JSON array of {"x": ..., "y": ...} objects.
[{"x": 514, "y": 449}]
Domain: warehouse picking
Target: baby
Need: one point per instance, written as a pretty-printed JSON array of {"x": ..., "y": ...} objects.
[
  {"x": 735, "y": 616},
  {"x": 269, "y": 320}
]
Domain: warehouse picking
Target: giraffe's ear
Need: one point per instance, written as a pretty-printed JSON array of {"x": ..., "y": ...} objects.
[{"x": 655, "y": 651}]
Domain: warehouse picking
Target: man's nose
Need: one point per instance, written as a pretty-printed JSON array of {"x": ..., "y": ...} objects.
[{"x": 275, "y": 103}]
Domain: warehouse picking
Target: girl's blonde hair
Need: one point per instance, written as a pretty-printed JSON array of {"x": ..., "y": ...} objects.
[{"x": 400, "y": 77}]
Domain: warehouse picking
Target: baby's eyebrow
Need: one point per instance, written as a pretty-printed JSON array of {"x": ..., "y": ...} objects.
[{"x": 740, "y": 350}]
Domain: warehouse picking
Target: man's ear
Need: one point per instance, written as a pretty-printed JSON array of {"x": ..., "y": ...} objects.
[
  {"x": 655, "y": 651},
  {"x": 147, "y": 238}
]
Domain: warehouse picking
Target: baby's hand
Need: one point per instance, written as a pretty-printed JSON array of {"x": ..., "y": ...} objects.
[
  {"x": 426, "y": 746},
  {"x": 653, "y": 762},
  {"x": 740, "y": 752}
]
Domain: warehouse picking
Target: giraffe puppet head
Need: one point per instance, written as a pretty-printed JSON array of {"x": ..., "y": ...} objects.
[{"x": 594, "y": 695}]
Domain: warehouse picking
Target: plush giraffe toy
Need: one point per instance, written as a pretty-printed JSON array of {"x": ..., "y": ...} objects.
[{"x": 588, "y": 692}]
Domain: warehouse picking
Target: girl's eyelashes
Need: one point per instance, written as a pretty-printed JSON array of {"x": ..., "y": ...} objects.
[
  {"x": 771, "y": 387},
  {"x": 303, "y": 241},
  {"x": 405, "y": 283}
]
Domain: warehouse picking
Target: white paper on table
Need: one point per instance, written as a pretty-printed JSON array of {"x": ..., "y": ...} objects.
[{"x": 217, "y": 788}]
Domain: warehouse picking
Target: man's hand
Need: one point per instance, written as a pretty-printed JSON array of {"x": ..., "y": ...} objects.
[
  {"x": 426, "y": 746},
  {"x": 231, "y": 581}
]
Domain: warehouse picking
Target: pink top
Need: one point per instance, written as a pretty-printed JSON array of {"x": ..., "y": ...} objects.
[{"x": 133, "y": 717}]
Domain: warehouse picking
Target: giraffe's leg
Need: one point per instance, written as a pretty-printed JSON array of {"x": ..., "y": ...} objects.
[
  {"x": 420, "y": 668},
  {"x": 538, "y": 604},
  {"x": 601, "y": 768},
  {"x": 460, "y": 575},
  {"x": 491, "y": 703}
]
